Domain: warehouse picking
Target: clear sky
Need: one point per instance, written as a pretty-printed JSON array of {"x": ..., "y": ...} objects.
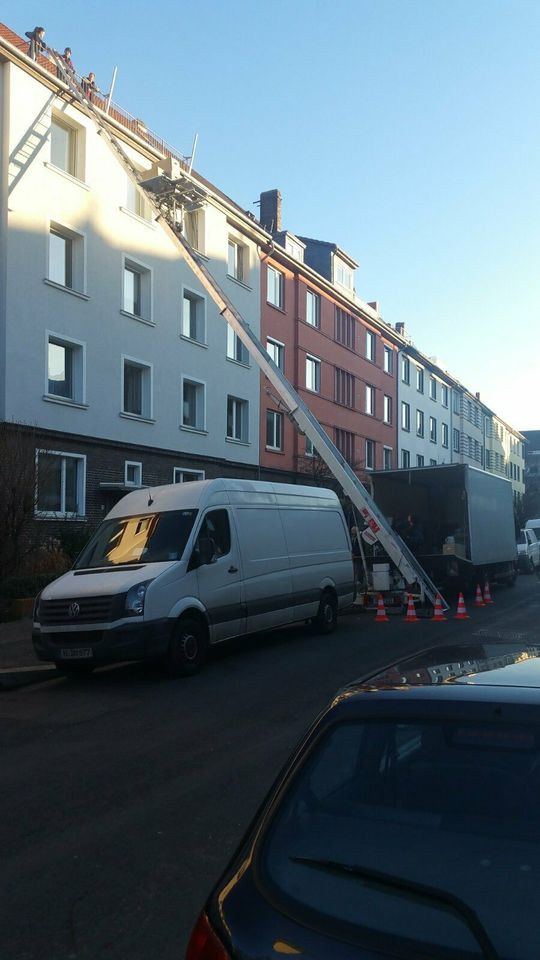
[{"x": 406, "y": 131}]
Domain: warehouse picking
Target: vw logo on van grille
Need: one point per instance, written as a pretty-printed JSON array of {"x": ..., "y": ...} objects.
[{"x": 74, "y": 610}]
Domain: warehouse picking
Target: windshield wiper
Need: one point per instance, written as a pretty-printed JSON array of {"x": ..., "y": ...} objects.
[{"x": 410, "y": 888}]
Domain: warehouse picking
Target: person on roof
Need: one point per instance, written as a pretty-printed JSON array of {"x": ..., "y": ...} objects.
[
  {"x": 69, "y": 66},
  {"x": 89, "y": 85},
  {"x": 37, "y": 43}
]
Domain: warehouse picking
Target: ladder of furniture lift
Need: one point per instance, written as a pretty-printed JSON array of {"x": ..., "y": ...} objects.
[{"x": 295, "y": 408}]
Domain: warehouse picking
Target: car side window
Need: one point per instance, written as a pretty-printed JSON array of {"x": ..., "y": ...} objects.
[{"x": 215, "y": 527}]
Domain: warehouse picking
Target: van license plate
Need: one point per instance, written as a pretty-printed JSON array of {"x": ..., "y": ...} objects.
[{"x": 77, "y": 653}]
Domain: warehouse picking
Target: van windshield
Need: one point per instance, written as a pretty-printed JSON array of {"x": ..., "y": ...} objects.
[{"x": 146, "y": 538}]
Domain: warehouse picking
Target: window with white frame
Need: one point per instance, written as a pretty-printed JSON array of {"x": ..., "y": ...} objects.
[
  {"x": 276, "y": 351},
  {"x": 370, "y": 400},
  {"x": 237, "y": 261},
  {"x": 135, "y": 202},
  {"x": 387, "y": 409},
  {"x": 180, "y": 475},
  {"x": 387, "y": 458},
  {"x": 237, "y": 419},
  {"x": 313, "y": 374},
  {"x": 275, "y": 287},
  {"x": 274, "y": 430},
  {"x": 419, "y": 460},
  {"x": 444, "y": 434},
  {"x": 137, "y": 293},
  {"x": 236, "y": 350},
  {"x": 60, "y": 487},
  {"x": 444, "y": 395},
  {"x": 132, "y": 473},
  {"x": 66, "y": 258},
  {"x": 310, "y": 449},
  {"x": 433, "y": 388},
  {"x": 455, "y": 440},
  {"x": 193, "y": 227},
  {"x": 193, "y": 404},
  {"x": 432, "y": 463},
  {"x": 67, "y": 141},
  {"x": 370, "y": 346},
  {"x": 405, "y": 416},
  {"x": 456, "y": 403},
  {"x": 419, "y": 423},
  {"x": 420, "y": 379},
  {"x": 388, "y": 360},
  {"x": 65, "y": 368},
  {"x": 343, "y": 274},
  {"x": 313, "y": 308},
  {"x": 193, "y": 316},
  {"x": 405, "y": 370},
  {"x": 370, "y": 454},
  {"x": 136, "y": 388},
  {"x": 433, "y": 430},
  {"x": 405, "y": 458}
]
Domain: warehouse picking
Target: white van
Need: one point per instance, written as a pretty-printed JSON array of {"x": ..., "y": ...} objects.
[
  {"x": 176, "y": 568},
  {"x": 534, "y": 525}
]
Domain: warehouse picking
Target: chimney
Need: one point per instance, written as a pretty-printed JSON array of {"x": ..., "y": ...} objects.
[
  {"x": 477, "y": 396},
  {"x": 374, "y": 304},
  {"x": 400, "y": 328},
  {"x": 270, "y": 212}
]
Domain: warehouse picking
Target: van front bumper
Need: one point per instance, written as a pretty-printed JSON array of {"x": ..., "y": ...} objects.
[{"x": 127, "y": 641}]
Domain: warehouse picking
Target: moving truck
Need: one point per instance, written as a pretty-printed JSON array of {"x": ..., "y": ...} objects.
[
  {"x": 174, "y": 569},
  {"x": 462, "y": 521}
]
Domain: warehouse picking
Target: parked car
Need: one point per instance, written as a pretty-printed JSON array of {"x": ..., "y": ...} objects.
[
  {"x": 406, "y": 824},
  {"x": 528, "y": 551}
]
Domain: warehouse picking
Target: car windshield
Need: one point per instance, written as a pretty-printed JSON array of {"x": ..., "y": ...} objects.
[
  {"x": 398, "y": 834},
  {"x": 146, "y": 538}
]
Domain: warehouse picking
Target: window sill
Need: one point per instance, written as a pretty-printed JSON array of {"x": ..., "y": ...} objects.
[
  {"x": 66, "y": 175},
  {"x": 60, "y": 286},
  {"x": 315, "y": 326},
  {"x": 277, "y": 450},
  {"x": 310, "y": 390},
  {"x": 133, "y": 316},
  {"x": 239, "y": 363},
  {"x": 198, "y": 343},
  {"x": 136, "y": 216},
  {"x": 240, "y": 283},
  {"x": 136, "y": 416},
  {"x": 58, "y": 515},
  {"x": 280, "y": 309},
  {"x": 65, "y": 401},
  {"x": 240, "y": 443},
  {"x": 198, "y": 430}
]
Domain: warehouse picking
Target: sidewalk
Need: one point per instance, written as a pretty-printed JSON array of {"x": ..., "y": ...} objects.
[{"x": 18, "y": 662}]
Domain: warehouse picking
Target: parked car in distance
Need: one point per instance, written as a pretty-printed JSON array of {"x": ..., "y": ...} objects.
[
  {"x": 406, "y": 824},
  {"x": 528, "y": 551}
]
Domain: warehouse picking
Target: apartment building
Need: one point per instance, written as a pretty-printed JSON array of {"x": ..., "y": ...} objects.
[
  {"x": 504, "y": 451},
  {"x": 425, "y": 409}
]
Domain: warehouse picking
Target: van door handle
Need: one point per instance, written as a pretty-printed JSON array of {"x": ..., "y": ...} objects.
[{"x": 233, "y": 569}]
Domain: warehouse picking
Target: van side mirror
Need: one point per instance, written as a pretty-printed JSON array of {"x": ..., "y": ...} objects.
[{"x": 206, "y": 549}]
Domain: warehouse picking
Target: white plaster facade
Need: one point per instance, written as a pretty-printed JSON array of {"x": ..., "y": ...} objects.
[{"x": 424, "y": 416}]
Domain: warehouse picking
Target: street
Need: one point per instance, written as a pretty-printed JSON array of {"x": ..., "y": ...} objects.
[{"x": 123, "y": 798}]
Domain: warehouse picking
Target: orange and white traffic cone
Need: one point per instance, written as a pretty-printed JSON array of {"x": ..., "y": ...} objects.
[
  {"x": 381, "y": 612},
  {"x": 479, "y": 600},
  {"x": 411, "y": 612},
  {"x": 487, "y": 594},
  {"x": 438, "y": 613},
  {"x": 461, "y": 610}
]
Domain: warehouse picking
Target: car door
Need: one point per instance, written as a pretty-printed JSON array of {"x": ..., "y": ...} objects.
[{"x": 220, "y": 581}]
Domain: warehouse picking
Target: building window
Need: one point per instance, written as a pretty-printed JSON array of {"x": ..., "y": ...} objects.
[
  {"x": 137, "y": 290},
  {"x": 419, "y": 423},
  {"x": 370, "y": 400},
  {"x": 194, "y": 229},
  {"x": 132, "y": 473},
  {"x": 136, "y": 203},
  {"x": 60, "y": 484},
  {"x": 444, "y": 434},
  {"x": 274, "y": 430},
  {"x": 433, "y": 463},
  {"x": 66, "y": 258},
  {"x": 419, "y": 460},
  {"x": 313, "y": 374},
  {"x": 433, "y": 430},
  {"x": 388, "y": 360},
  {"x": 187, "y": 476},
  {"x": 276, "y": 351},
  {"x": 345, "y": 388},
  {"x": 419, "y": 379},
  {"x": 456, "y": 406},
  {"x": 405, "y": 416},
  {"x": 370, "y": 346},
  {"x": 387, "y": 458},
  {"x": 370, "y": 454},
  {"x": 137, "y": 389},
  {"x": 313, "y": 308},
  {"x": 345, "y": 328},
  {"x": 237, "y": 261},
  {"x": 444, "y": 395},
  {"x": 345, "y": 444},
  {"x": 405, "y": 370},
  {"x": 193, "y": 404},
  {"x": 275, "y": 287},
  {"x": 433, "y": 388},
  {"x": 387, "y": 409},
  {"x": 236, "y": 350},
  {"x": 310, "y": 449},
  {"x": 64, "y": 147},
  {"x": 237, "y": 419},
  {"x": 405, "y": 458},
  {"x": 193, "y": 317},
  {"x": 455, "y": 440},
  {"x": 343, "y": 275},
  {"x": 65, "y": 369}
]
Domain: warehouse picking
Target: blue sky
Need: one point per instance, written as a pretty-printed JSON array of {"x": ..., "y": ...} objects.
[{"x": 404, "y": 130}]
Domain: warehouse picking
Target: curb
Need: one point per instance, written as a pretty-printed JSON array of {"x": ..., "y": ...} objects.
[{"x": 15, "y": 677}]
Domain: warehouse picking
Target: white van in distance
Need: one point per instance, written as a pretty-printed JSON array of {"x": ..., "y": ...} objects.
[{"x": 176, "y": 568}]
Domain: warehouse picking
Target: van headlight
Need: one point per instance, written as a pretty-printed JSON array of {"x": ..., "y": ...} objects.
[{"x": 135, "y": 599}]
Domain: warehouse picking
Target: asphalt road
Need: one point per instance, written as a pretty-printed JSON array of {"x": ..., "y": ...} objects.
[{"x": 121, "y": 800}]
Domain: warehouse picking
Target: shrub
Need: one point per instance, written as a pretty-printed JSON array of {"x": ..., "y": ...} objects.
[{"x": 15, "y": 588}]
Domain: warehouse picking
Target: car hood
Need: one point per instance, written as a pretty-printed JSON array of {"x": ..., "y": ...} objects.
[{"x": 107, "y": 581}]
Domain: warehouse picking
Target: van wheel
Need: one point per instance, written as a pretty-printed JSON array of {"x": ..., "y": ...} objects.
[
  {"x": 326, "y": 619},
  {"x": 75, "y": 671},
  {"x": 188, "y": 648}
]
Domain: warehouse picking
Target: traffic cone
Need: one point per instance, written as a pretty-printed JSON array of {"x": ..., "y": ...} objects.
[
  {"x": 381, "y": 612},
  {"x": 487, "y": 594},
  {"x": 479, "y": 600},
  {"x": 461, "y": 610},
  {"x": 411, "y": 612},
  {"x": 438, "y": 614}
]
